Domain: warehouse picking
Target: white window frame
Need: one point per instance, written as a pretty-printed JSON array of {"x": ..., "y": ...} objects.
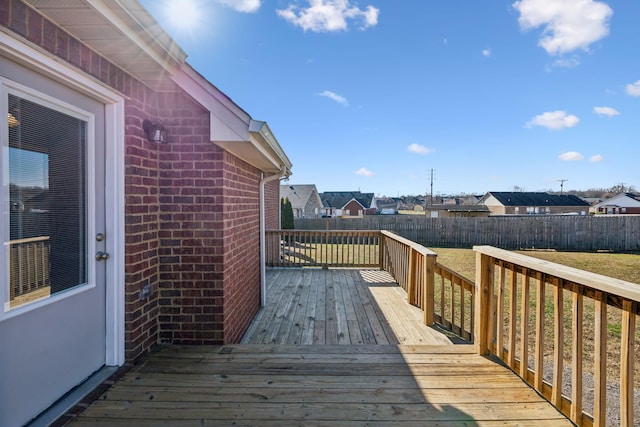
[{"x": 8, "y": 87}]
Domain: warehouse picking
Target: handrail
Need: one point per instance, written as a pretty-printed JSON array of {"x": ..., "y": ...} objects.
[
  {"x": 514, "y": 294},
  {"x": 595, "y": 281},
  {"x": 29, "y": 240},
  {"x": 413, "y": 267}
]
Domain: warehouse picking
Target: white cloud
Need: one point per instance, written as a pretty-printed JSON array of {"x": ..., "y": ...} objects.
[
  {"x": 419, "y": 149},
  {"x": 606, "y": 111},
  {"x": 568, "y": 24},
  {"x": 486, "y": 53},
  {"x": 329, "y": 15},
  {"x": 596, "y": 159},
  {"x": 571, "y": 156},
  {"x": 554, "y": 120},
  {"x": 334, "y": 96},
  {"x": 572, "y": 62},
  {"x": 633, "y": 89},
  {"x": 247, "y": 6},
  {"x": 364, "y": 172}
]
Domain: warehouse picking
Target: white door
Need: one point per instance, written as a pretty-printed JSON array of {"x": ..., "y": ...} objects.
[{"x": 52, "y": 318}]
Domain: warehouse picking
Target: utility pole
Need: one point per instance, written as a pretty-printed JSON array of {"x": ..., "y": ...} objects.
[
  {"x": 431, "y": 185},
  {"x": 562, "y": 181}
]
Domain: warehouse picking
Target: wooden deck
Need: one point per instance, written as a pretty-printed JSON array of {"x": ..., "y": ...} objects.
[
  {"x": 368, "y": 367},
  {"x": 338, "y": 306}
]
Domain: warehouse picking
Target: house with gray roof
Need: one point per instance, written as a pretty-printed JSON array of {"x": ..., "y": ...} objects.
[
  {"x": 304, "y": 199},
  {"x": 620, "y": 204},
  {"x": 348, "y": 203},
  {"x": 533, "y": 203}
]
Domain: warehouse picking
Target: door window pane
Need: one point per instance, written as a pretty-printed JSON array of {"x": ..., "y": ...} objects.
[{"x": 47, "y": 215}]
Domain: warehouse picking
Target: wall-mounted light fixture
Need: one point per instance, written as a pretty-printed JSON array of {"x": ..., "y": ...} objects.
[{"x": 155, "y": 132}]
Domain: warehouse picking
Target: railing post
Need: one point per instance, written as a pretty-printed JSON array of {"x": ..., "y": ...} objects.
[
  {"x": 381, "y": 250},
  {"x": 428, "y": 300},
  {"x": 626, "y": 362},
  {"x": 411, "y": 277},
  {"x": 484, "y": 294}
]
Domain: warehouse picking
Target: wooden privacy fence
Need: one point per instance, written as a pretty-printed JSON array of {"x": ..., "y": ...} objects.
[
  {"x": 572, "y": 232},
  {"x": 29, "y": 265},
  {"x": 553, "y": 324},
  {"x": 447, "y": 300}
]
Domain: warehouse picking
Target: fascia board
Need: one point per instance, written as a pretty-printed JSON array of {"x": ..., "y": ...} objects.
[
  {"x": 260, "y": 144},
  {"x": 268, "y": 140}
]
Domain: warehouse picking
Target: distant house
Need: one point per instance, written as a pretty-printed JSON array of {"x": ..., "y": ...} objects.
[
  {"x": 620, "y": 204},
  {"x": 388, "y": 205},
  {"x": 456, "y": 211},
  {"x": 348, "y": 204},
  {"x": 304, "y": 199},
  {"x": 530, "y": 203}
]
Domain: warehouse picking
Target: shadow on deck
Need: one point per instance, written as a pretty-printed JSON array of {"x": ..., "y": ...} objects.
[{"x": 373, "y": 363}]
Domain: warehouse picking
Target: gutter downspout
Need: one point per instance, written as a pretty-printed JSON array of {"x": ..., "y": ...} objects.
[{"x": 263, "y": 255}]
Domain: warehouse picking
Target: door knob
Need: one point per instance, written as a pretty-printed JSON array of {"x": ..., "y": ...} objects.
[{"x": 102, "y": 256}]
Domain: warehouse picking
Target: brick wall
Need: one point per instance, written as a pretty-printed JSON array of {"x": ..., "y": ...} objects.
[
  {"x": 241, "y": 247},
  {"x": 354, "y": 208},
  {"x": 141, "y": 225},
  {"x": 191, "y": 209},
  {"x": 272, "y": 204},
  {"x": 210, "y": 277},
  {"x": 191, "y": 236}
]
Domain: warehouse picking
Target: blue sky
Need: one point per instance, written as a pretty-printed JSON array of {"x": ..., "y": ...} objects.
[{"x": 371, "y": 95}]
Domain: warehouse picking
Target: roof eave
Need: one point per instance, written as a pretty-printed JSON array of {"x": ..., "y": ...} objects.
[{"x": 122, "y": 31}]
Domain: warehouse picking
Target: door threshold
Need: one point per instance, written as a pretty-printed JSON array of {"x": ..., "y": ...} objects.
[{"x": 66, "y": 403}]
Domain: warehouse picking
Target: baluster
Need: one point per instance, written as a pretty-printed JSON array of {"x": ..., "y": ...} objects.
[
  {"x": 576, "y": 368},
  {"x": 626, "y": 362},
  {"x": 600, "y": 361}
]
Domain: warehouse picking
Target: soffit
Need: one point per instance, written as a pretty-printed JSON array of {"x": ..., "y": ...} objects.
[{"x": 121, "y": 31}]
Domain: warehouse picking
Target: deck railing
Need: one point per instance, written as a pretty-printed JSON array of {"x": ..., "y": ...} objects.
[
  {"x": 413, "y": 267},
  {"x": 291, "y": 248},
  {"x": 555, "y": 325},
  {"x": 444, "y": 296},
  {"x": 29, "y": 265},
  {"x": 454, "y": 302}
]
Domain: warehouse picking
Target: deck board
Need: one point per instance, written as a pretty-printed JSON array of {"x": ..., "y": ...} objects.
[
  {"x": 373, "y": 363},
  {"x": 258, "y": 385},
  {"x": 338, "y": 306}
]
